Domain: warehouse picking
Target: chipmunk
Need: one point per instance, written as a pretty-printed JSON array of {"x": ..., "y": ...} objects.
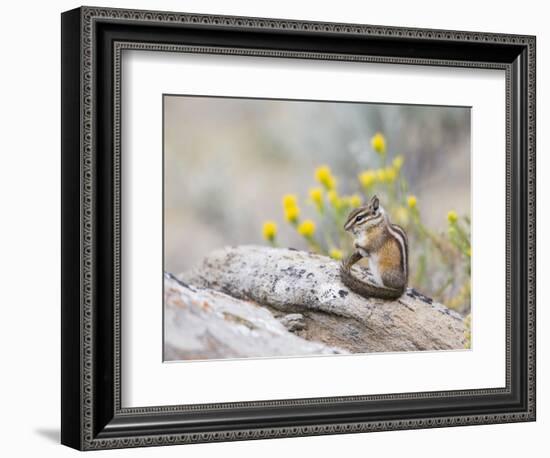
[{"x": 384, "y": 245}]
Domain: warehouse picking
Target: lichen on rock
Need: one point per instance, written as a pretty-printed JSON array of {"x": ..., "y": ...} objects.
[
  {"x": 272, "y": 283},
  {"x": 200, "y": 323}
]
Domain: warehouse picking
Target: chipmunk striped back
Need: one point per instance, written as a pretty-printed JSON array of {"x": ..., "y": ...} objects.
[{"x": 401, "y": 237}]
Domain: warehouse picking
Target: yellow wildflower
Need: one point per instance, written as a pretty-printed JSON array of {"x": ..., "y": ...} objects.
[
  {"x": 411, "y": 201},
  {"x": 316, "y": 196},
  {"x": 307, "y": 228},
  {"x": 324, "y": 176},
  {"x": 452, "y": 232},
  {"x": 290, "y": 200},
  {"x": 335, "y": 253},
  {"x": 292, "y": 214},
  {"x": 390, "y": 174},
  {"x": 381, "y": 175},
  {"x": 322, "y": 173},
  {"x": 367, "y": 178},
  {"x": 355, "y": 200},
  {"x": 269, "y": 231},
  {"x": 334, "y": 199},
  {"x": 378, "y": 143},
  {"x": 452, "y": 217},
  {"x": 469, "y": 252},
  {"x": 398, "y": 162}
]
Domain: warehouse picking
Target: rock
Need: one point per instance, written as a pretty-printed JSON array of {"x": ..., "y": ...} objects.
[
  {"x": 200, "y": 323},
  {"x": 291, "y": 281},
  {"x": 293, "y": 321}
]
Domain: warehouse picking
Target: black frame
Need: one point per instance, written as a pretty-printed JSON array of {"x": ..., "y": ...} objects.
[{"x": 92, "y": 42}]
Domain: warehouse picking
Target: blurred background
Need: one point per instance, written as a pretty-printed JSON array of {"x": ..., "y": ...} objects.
[{"x": 229, "y": 163}]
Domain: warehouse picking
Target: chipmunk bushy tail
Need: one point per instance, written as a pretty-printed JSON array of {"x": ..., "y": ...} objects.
[{"x": 366, "y": 289}]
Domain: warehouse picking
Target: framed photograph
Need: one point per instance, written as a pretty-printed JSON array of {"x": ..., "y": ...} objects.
[{"x": 276, "y": 228}]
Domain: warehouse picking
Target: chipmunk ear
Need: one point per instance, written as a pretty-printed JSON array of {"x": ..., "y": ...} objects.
[{"x": 375, "y": 202}]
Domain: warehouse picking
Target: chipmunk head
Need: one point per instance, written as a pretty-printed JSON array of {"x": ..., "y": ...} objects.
[{"x": 365, "y": 217}]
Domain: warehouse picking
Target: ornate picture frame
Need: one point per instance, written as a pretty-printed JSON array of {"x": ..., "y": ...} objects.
[{"x": 93, "y": 416}]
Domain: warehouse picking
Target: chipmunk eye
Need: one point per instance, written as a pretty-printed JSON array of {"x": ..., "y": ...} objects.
[{"x": 359, "y": 218}]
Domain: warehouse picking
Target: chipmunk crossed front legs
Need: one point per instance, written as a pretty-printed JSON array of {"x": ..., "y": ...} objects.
[{"x": 385, "y": 246}]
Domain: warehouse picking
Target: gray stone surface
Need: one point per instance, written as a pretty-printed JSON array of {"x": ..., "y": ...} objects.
[
  {"x": 201, "y": 323},
  {"x": 287, "y": 281},
  {"x": 293, "y": 321}
]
